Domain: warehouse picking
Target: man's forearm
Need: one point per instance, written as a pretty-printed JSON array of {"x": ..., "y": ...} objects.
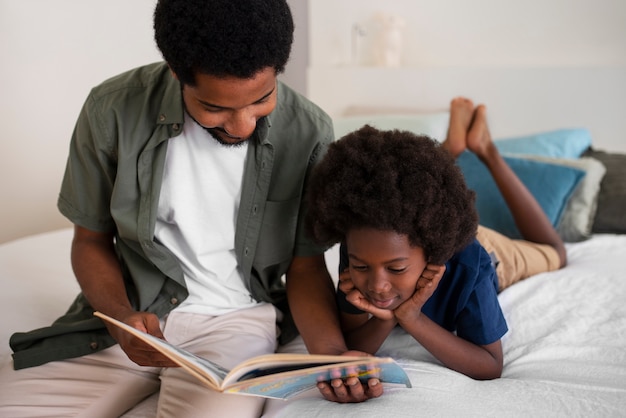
[
  {"x": 98, "y": 272},
  {"x": 312, "y": 302}
]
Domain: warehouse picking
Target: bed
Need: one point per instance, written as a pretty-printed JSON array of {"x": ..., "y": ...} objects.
[
  {"x": 565, "y": 353},
  {"x": 564, "y": 356}
]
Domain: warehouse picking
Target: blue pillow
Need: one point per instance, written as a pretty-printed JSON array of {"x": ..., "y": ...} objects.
[
  {"x": 564, "y": 143},
  {"x": 552, "y": 185}
]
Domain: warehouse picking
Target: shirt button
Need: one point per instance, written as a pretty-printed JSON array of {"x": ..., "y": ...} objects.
[
  {"x": 93, "y": 345},
  {"x": 173, "y": 301},
  {"x": 161, "y": 117},
  {"x": 175, "y": 127},
  {"x": 246, "y": 251}
]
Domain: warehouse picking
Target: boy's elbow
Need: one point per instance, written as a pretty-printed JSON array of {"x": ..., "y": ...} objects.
[
  {"x": 490, "y": 375},
  {"x": 562, "y": 256}
]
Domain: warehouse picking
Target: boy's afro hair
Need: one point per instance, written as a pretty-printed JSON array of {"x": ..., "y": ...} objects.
[
  {"x": 392, "y": 181},
  {"x": 223, "y": 38}
]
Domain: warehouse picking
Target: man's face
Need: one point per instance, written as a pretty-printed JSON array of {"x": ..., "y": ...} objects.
[
  {"x": 230, "y": 107},
  {"x": 384, "y": 266}
]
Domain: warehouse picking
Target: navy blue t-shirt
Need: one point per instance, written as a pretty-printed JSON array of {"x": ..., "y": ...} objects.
[{"x": 466, "y": 300}]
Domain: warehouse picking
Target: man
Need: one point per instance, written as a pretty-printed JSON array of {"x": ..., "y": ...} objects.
[{"x": 185, "y": 182}]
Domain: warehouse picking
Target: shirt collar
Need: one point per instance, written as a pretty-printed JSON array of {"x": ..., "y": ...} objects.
[{"x": 171, "y": 110}]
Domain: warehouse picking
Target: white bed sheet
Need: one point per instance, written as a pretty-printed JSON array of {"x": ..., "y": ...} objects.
[
  {"x": 565, "y": 353},
  {"x": 37, "y": 282}
]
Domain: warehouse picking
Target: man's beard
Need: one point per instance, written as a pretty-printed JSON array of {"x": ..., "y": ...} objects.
[{"x": 216, "y": 131}]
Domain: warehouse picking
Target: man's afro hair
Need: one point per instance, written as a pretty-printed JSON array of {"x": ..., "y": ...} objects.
[{"x": 223, "y": 38}]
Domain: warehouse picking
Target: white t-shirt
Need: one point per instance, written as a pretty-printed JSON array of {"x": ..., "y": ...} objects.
[{"x": 196, "y": 218}]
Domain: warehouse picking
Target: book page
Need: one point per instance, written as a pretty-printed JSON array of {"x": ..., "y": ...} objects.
[
  {"x": 208, "y": 372},
  {"x": 281, "y": 362},
  {"x": 287, "y": 384}
]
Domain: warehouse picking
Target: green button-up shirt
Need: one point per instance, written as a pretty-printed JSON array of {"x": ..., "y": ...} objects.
[{"x": 112, "y": 183}]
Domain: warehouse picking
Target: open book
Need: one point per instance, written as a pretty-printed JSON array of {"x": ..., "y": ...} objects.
[{"x": 279, "y": 375}]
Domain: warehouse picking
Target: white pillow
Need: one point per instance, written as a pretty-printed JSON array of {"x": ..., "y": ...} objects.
[{"x": 434, "y": 125}]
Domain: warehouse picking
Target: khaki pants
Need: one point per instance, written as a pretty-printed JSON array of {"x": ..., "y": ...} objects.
[
  {"x": 106, "y": 384},
  {"x": 517, "y": 259}
]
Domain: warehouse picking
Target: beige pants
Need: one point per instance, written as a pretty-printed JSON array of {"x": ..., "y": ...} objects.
[
  {"x": 107, "y": 384},
  {"x": 517, "y": 259}
]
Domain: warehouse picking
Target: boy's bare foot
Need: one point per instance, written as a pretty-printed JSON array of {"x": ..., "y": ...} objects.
[
  {"x": 478, "y": 137},
  {"x": 461, "y": 113}
]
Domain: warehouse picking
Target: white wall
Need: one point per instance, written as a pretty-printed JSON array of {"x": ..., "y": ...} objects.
[
  {"x": 54, "y": 51},
  {"x": 480, "y": 33},
  {"x": 296, "y": 72},
  {"x": 537, "y": 64}
]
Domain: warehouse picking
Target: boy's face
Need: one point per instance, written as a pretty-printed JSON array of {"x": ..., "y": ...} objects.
[
  {"x": 229, "y": 107},
  {"x": 383, "y": 266}
]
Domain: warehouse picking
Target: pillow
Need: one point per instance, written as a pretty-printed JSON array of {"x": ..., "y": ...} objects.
[
  {"x": 564, "y": 143},
  {"x": 434, "y": 125},
  {"x": 551, "y": 184},
  {"x": 611, "y": 214},
  {"x": 578, "y": 215},
  {"x": 359, "y": 110}
]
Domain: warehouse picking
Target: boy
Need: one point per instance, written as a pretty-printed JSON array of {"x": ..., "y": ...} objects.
[{"x": 401, "y": 209}]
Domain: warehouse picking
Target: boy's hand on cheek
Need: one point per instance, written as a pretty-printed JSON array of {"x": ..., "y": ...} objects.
[
  {"x": 432, "y": 272},
  {"x": 357, "y": 299},
  {"x": 346, "y": 285},
  {"x": 424, "y": 289}
]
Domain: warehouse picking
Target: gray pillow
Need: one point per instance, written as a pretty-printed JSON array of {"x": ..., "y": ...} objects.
[
  {"x": 580, "y": 210},
  {"x": 611, "y": 214}
]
